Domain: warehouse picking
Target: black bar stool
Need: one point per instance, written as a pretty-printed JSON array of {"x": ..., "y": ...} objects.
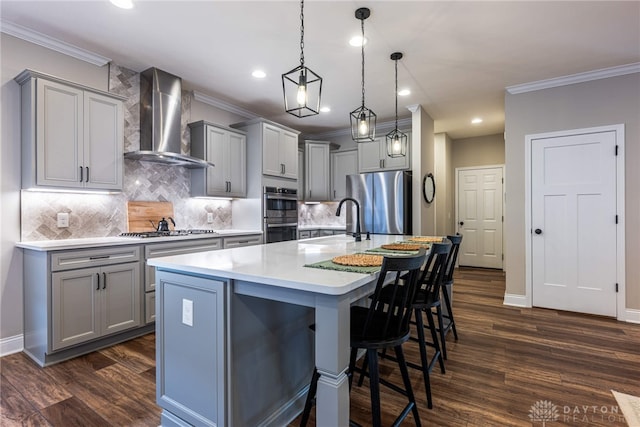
[
  {"x": 383, "y": 324},
  {"x": 447, "y": 289}
]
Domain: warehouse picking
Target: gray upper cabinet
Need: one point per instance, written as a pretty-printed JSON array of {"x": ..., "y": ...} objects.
[
  {"x": 227, "y": 149},
  {"x": 372, "y": 157},
  {"x": 72, "y": 136},
  {"x": 343, "y": 163},
  {"x": 280, "y": 152},
  {"x": 272, "y": 149},
  {"x": 316, "y": 171}
]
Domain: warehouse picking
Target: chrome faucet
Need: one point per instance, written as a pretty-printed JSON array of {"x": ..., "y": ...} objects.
[{"x": 357, "y": 234}]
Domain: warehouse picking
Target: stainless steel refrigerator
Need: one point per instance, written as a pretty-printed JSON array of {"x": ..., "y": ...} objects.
[{"x": 385, "y": 202}]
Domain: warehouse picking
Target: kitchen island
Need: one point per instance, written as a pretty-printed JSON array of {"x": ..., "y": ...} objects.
[{"x": 233, "y": 344}]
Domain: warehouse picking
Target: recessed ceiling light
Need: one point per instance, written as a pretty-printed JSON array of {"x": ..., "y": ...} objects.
[
  {"x": 123, "y": 4},
  {"x": 259, "y": 74},
  {"x": 404, "y": 92},
  {"x": 357, "y": 41},
  {"x": 325, "y": 109},
  {"x": 476, "y": 120}
]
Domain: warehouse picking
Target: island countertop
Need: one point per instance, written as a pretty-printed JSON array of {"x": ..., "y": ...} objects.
[{"x": 281, "y": 264}]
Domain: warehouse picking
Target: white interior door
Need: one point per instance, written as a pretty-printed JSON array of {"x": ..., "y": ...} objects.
[
  {"x": 573, "y": 221},
  {"x": 479, "y": 211}
]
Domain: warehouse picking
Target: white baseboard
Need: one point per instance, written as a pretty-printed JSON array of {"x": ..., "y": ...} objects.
[
  {"x": 515, "y": 300},
  {"x": 11, "y": 345},
  {"x": 632, "y": 315}
]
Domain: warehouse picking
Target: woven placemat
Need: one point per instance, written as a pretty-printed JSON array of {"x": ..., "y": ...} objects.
[{"x": 330, "y": 265}]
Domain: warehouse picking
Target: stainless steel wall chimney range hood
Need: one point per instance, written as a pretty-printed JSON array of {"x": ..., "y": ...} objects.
[{"x": 160, "y": 110}]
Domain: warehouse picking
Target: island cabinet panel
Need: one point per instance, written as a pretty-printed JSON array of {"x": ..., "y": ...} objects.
[{"x": 190, "y": 350}]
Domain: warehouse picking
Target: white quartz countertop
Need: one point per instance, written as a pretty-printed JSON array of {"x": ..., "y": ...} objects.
[
  {"x": 281, "y": 264},
  {"x": 66, "y": 244}
]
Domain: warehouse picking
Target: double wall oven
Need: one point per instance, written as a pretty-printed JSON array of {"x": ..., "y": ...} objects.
[{"x": 280, "y": 214}]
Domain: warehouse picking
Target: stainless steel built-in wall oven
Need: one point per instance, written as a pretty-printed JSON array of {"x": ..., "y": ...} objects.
[{"x": 280, "y": 214}]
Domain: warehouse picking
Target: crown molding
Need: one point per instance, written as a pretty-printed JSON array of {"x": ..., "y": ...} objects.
[
  {"x": 43, "y": 40},
  {"x": 224, "y": 105},
  {"x": 603, "y": 73},
  {"x": 380, "y": 127}
]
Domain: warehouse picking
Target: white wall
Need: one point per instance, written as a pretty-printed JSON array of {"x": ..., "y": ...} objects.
[{"x": 583, "y": 105}]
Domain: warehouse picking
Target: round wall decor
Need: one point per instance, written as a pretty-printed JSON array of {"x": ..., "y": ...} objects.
[{"x": 428, "y": 188}]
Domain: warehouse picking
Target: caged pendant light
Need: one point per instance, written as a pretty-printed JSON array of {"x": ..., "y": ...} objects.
[
  {"x": 302, "y": 87},
  {"x": 396, "y": 140},
  {"x": 363, "y": 120}
]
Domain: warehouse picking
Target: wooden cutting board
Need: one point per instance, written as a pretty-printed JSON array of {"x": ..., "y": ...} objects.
[{"x": 140, "y": 213}]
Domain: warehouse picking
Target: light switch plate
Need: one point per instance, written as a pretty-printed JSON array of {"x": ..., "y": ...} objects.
[
  {"x": 187, "y": 312},
  {"x": 63, "y": 220},
  {"x": 209, "y": 217}
]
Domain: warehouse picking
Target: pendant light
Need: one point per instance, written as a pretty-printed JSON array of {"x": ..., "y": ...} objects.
[
  {"x": 396, "y": 140},
  {"x": 363, "y": 120},
  {"x": 302, "y": 87}
]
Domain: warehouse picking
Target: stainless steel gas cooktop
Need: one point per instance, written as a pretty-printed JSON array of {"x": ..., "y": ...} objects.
[{"x": 145, "y": 234}]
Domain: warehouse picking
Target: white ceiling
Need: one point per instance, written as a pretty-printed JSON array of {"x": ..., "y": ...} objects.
[{"x": 458, "y": 56}]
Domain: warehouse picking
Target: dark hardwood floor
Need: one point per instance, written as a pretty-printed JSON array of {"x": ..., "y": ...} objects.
[{"x": 507, "y": 362}]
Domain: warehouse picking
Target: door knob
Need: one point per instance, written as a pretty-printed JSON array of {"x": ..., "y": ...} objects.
[
  {"x": 537, "y": 231},
  {"x": 461, "y": 223}
]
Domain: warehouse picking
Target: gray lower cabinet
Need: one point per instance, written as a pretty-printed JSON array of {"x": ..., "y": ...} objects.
[
  {"x": 89, "y": 303},
  {"x": 155, "y": 250},
  {"x": 77, "y": 301}
]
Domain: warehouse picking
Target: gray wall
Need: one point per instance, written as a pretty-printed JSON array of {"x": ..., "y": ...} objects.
[
  {"x": 583, "y": 105},
  {"x": 478, "y": 151}
]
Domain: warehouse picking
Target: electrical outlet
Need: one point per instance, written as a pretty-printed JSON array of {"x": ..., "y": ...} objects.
[
  {"x": 187, "y": 312},
  {"x": 63, "y": 220},
  {"x": 209, "y": 217}
]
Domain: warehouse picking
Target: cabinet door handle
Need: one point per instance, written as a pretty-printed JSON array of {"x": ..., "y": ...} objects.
[
  {"x": 81, "y": 173},
  {"x": 87, "y": 173},
  {"x": 104, "y": 280},
  {"x": 309, "y": 193},
  {"x": 334, "y": 194},
  {"x": 228, "y": 186},
  {"x": 98, "y": 280},
  {"x": 282, "y": 168}
]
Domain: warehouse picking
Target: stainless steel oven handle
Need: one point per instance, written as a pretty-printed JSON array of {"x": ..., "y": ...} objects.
[
  {"x": 289, "y": 224},
  {"x": 281, "y": 197}
]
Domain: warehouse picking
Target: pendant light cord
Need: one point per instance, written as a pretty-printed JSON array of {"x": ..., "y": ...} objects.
[
  {"x": 362, "y": 50},
  {"x": 302, "y": 33},
  {"x": 396, "y": 95}
]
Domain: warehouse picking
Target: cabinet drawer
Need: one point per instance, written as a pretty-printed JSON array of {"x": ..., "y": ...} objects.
[
  {"x": 236, "y": 242},
  {"x": 304, "y": 234},
  {"x": 177, "y": 248},
  {"x": 69, "y": 260}
]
